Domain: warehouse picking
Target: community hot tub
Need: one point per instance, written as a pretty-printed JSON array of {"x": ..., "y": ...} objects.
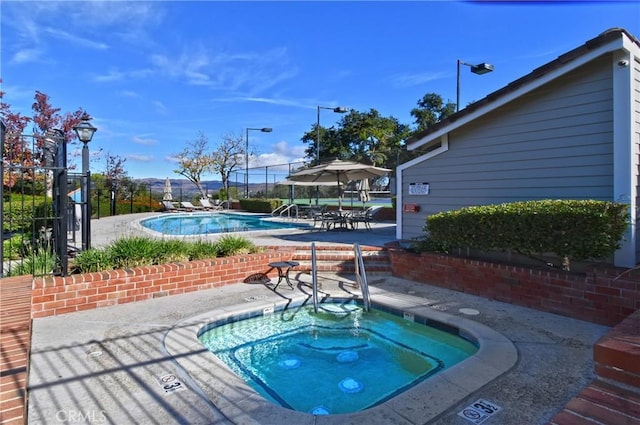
[{"x": 438, "y": 381}]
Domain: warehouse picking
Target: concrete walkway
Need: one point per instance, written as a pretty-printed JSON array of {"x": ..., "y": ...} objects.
[{"x": 106, "y": 364}]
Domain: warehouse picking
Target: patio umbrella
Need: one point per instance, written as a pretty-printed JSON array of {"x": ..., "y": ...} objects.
[
  {"x": 363, "y": 191},
  {"x": 337, "y": 171},
  {"x": 166, "y": 195}
]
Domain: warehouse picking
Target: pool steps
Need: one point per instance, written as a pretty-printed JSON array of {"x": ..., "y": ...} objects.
[{"x": 340, "y": 259}]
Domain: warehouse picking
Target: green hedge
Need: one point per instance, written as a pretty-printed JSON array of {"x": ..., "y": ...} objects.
[
  {"x": 260, "y": 205},
  {"x": 575, "y": 229},
  {"x": 18, "y": 213}
]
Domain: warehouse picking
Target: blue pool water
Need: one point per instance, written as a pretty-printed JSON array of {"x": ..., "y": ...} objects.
[
  {"x": 340, "y": 360},
  {"x": 206, "y": 223}
]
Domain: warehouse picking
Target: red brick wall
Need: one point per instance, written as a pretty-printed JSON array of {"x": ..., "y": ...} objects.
[
  {"x": 617, "y": 354},
  {"x": 59, "y": 295},
  {"x": 604, "y": 296}
]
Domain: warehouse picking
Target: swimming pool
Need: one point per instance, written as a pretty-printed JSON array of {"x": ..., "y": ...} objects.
[
  {"x": 201, "y": 223},
  {"x": 427, "y": 399},
  {"x": 349, "y": 360}
]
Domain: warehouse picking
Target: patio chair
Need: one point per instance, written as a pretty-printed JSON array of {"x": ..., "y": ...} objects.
[
  {"x": 318, "y": 214},
  {"x": 189, "y": 206},
  {"x": 364, "y": 217}
]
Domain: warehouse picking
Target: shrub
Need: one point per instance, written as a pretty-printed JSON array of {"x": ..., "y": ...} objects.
[
  {"x": 260, "y": 205},
  {"x": 133, "y": 252},
  {"x": 577, "y": 229},
  {"x": 203, "y": 249},
  {"x": 234, "y": 245},
  {"x": 37, "y": 265},
  {"x": 14, "y": 247},
  {"x": 93, "y": 260},
  {"x": 171, "y": 250},
  {"x": 144, "y": 251}
]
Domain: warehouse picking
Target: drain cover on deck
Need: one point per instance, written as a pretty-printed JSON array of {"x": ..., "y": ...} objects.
[{"x": 479, "y": 411}]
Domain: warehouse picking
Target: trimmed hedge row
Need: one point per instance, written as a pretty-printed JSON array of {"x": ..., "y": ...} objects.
[
  {"x": 260, "y": 205},
  {"x": 576, "y": 229}
]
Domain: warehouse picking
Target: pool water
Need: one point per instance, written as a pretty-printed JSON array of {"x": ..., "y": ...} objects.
[
  {"x": 340, "y": 360},
  {"x": 206, "y": 223}
]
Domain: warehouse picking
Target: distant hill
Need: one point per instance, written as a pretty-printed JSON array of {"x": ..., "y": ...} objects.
[
  {"x": 157, "y": 185},
  {"x": 187, "y": 188}
]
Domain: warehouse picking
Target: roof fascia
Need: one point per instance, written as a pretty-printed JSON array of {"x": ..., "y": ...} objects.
[{"x": 623, "y": 42}]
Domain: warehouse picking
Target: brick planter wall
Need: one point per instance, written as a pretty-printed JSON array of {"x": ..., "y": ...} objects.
[
  {"x": 59, "y": 295},
  {"x": 617, "y": 354},
  {"x": 604, "y": 296}
]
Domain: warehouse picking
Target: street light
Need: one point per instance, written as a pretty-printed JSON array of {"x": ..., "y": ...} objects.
[
  {"x": 85, "y": 132},
  {"x": 338, "y": 110},
  {"x": 246, "y": 157},
  {"x": 479, "y": 69}
]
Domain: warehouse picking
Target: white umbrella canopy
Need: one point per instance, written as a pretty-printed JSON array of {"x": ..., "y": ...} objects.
[
  {"x": 297, "y": 183},
  {"x": 166, "y": 195},
  {"x": 337, "y": 171}
]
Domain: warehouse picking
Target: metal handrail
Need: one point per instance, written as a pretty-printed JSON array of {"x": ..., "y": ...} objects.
[
  {"x": 314, "y": 277},
  {"x": 361, "y": 276},
  {"x": 285, "y": 208}
]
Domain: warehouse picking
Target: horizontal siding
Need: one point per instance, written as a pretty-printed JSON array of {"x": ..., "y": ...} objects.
[
  {"x": 636, "y": 123},
  {"x": 553, "y": 143}
]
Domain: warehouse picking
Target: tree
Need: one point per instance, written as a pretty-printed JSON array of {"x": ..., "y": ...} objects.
[
  {"x": 227, "y": 157},
  {"x": 431, "y": 109},
  {"x": 194, "y": 161},
  {"x": 17, "y": 149},
  {"x": 360, "y": 136},
  {"x": 46, "y": 118},
  {"x": 372, "y": 138},
  {"x": 114, "y": 170}
]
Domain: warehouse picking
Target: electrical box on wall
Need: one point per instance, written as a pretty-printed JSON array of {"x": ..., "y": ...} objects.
[{"x": 411, "y": 208}]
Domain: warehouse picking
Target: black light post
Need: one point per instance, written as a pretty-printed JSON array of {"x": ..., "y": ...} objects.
[
  {"x": 3, "y": 129},
  {"x": 479, "y": 69},
  {"x": 246, "y": 157},
  {"x": 85, "y": 132},
  {"x": 337, "y": 110}
]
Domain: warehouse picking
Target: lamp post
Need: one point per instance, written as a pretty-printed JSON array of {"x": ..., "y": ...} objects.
[
  {"x": 337, "y": 110},
  {"x": 479, "y": 69},
  {"x": 85, "y": 132},
  {"x": 246, "y": 157}
]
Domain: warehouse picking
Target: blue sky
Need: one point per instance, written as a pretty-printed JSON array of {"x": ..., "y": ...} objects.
[{"x": 156, "y": 74}]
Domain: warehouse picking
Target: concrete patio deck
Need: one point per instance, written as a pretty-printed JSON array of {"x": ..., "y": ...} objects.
[{"x": 102, "y": 366}]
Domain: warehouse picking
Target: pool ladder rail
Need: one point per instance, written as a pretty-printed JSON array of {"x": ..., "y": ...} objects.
[
  {"x": 288, "y": 209},
  {"x": 361, "y": 277}
]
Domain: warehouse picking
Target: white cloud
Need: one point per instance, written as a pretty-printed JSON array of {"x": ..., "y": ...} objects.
[
  {"x": 141, "y": 158},
  {"x": 139, "y": 140},
  {"x": 411, "y": 80},
  {"x": 26, "y": 56}
]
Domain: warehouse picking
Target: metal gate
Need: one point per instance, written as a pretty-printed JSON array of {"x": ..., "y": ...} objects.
[{"x": 39, "y": 212}]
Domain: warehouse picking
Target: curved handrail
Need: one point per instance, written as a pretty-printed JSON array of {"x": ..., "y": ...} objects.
[
  {"x": 314, "y": 277},
  {"x": 285, "y": 208},
  {"x": 361, "y": 276}
]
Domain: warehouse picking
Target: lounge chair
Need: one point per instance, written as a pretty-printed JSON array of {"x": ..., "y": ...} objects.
[
  {"x": 168, "y": 206},
  {"x": 189, "y": 206},
  {"x": 207, "y": 205}
]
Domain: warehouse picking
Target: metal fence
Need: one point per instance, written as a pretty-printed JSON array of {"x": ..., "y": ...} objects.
[{"x": 39, "y": 224}]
